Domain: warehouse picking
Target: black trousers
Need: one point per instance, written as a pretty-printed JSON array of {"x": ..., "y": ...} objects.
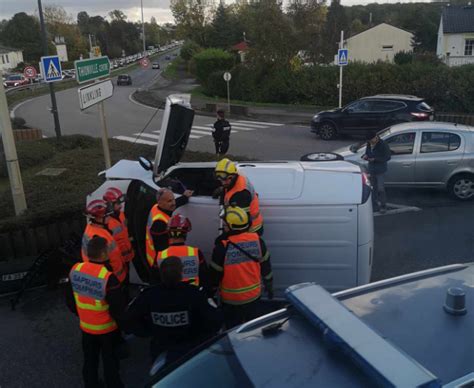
[
  {"x": 222, "y": 146},
  {"x": 105, "y": 345},
  {"x": 237, "y": 314}
]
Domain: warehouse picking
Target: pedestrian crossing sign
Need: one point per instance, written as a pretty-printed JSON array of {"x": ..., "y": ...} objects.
[
  {"x": 342, "y": 57},
  {"x": 51, "y": 68}
]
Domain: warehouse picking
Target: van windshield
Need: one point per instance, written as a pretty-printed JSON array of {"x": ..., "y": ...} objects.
[{"x": 215, "y": 366}]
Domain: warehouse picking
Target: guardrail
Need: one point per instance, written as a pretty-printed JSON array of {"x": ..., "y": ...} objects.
[{"x": 455, "y": 118}]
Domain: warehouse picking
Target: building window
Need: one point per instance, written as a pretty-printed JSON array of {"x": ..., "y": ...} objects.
[
  {"x": 8, "y": 61},
  {"x": 387, "y": 47},
  {"x": 469, "y": 47},
  {"x": 3, "y": 60}
]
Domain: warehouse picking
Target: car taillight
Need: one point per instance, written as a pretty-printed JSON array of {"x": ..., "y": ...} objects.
[
  {"x": 421, "y": 116},
  {"x": 366, "y": 187}
]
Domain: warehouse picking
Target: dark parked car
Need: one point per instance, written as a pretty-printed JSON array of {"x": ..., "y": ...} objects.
[
  {"x": 370, "y": 114},
  {"x": 124, "y": 79},
  {"x": 167, "y": 57},
  {"x": 155, "y": 65}
]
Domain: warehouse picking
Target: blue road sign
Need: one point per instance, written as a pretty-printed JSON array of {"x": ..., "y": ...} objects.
[
  {"x": 342, "y": 57},
  {"x": 51, "y": 68}
]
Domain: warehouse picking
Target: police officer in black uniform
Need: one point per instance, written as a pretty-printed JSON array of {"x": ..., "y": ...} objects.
[
  {"x": 178, "y": 315},
  {"x": 221, "y": 134}
]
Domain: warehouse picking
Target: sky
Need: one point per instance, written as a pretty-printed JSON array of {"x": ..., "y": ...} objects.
[{"x": 160, "y": 9}]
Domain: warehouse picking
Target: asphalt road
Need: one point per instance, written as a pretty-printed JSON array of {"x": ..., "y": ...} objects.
[{"x": 41, "y": 341}]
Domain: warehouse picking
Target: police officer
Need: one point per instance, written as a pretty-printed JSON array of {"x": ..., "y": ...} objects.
[
  {"x": 97, "y": 216},
  {"x": 194, "y": 264},
  {"x": 100, "y": 304},
  {"x": 221, "y": 134},
  {"x": 240, "y": 263},
  {"x": 237, "y": 190},
  {"x": 157, "y": 238},
  {"x": 179, "y": 314}
]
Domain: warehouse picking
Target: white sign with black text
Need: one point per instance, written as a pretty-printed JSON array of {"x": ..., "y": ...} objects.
[{"x": 92, "y": 94}]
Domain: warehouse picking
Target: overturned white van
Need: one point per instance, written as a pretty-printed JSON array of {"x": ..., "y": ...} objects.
[{"x": 317, "y": 215}]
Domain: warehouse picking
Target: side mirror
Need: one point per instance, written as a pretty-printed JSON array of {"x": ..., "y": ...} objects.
[{"x": 145, "y": 163}]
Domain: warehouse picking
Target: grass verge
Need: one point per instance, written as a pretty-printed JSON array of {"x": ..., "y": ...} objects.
[
  {"x": 54, "y": 197},
  {"x": 172, "y": 70}
]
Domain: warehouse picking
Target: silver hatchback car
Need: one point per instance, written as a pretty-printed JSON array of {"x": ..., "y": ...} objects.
[{"x": 426, "y": 154}]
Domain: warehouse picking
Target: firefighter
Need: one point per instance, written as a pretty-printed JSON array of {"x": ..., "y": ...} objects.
[
  {"x": 179, "y": 314},
  {"x": 97, "y": 214},
  {"x": 240, "y": 263},
  {"x": 157, "y": 224},
  {"x": 96, "y": 297},
  {"x": 117, "y": 224},
  {"x": 236, "y": 190},
  {"x": 194, "y": 264}
]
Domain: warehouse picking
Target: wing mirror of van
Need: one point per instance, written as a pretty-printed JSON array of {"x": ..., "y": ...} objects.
[{"x": 145, "y": 163}]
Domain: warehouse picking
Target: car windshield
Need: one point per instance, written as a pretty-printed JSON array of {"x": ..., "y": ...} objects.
[
  {"x": 361, "y": 144},
  {"x": 219, "y": 363},
  {"x": 14, "y": 78}
]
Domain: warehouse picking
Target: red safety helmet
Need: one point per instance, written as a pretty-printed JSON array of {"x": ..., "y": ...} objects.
[
  {"x": 97, "y": 208},
  {"x": 113, "y": 195},
  {"x": 179, "y": 225}
]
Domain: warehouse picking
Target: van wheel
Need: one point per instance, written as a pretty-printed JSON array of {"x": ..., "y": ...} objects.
[
  {"x": 321, "y": 157},
  {"x": 461, "y": 187},
  {"x": 327, "y": 131}
]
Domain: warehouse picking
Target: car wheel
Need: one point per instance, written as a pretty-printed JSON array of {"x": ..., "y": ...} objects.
[
  {"x": 321, "y": 157},
  {"x": 327, "y": 131},
  {"x": 461, "y": 187}
]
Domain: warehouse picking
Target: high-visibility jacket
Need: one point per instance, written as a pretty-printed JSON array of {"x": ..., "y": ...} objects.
[
  {"x": 119, "y": 231},
  {"x": 242, "y": 183},
  {"x": 189, "y": 257},
  {"x": 155, "y": 215},
  {"x": 242, "y": 279},
  {"x": 89, "y": 285},
  {"x": 113, "y": 251}
]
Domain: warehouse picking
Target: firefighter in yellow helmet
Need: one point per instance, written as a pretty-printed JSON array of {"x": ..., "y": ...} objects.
[
  {"x": 240, "y": 263},
  {"x": 237, "y": 190}
]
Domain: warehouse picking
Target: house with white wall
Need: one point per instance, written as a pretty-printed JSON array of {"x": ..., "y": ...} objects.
[
  {"x": 10, "y": 58},
  {"x": 456, "y": 35},
  {"x": 379, "y": 43}
]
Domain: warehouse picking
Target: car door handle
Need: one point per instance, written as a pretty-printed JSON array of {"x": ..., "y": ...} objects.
[
  {"x": 452, "y": 162},
  {"x": 407, "y": 164}
]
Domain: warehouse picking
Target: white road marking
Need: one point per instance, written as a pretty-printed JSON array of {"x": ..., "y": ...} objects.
[
  {"x": 249, "y": 125},
  {"x": 244, "y": 128},
  {"x": 202, "y": 127},
  {"x": 258, "y": 122},
  {"x": 135, "y": 140},
  {"x": 200, "y": 132},
  {"x": 157, "y": 137}
]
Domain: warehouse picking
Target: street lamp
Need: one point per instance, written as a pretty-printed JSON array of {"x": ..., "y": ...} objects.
[{"x": 143, "y": 30}]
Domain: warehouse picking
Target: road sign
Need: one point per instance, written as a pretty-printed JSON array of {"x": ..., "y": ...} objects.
[
  {"x": 30, "y": 72},
  {"x": 92, "y": 94},
  {"x": 51, "y": 68},
  {"x": 342, "y": 57},
  {"x": 227, "y": 76},
  {"x": 144, "y": 62},
  {"x": 91, "y": 69},
  {"x": 96, "y": 53}
]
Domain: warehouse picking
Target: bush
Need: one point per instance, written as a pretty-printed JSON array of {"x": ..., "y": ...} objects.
[
  {"x": 210, "y": 61},
  {"x": 189, "y": 49}
]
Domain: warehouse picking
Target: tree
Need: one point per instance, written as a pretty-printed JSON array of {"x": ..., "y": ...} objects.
[
  {"x": 335, "y": 23},
  {"x": 225, "y": 29},
  {"x": 83, "y": 22},
  {"x": 23, "y": 32},
  {"x": 117, "y": 15},
  {"x": 191, "y": 20}
]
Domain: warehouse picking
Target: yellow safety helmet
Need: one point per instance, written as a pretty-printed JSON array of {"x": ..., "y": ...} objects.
[
  {"x": 225, "y": 167},
  {"x": 236, "y": 218}
]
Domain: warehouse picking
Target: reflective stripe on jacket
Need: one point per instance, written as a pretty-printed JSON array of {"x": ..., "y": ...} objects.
[
  {"x": 242, "y": 183},
  {"x": 241, "y": 282},
  {"x": 189, "y": 257},
  {"x": 120, "y": 233},
  {"x": 155, "y": 215},
  {"x": 89, "y": 285},
  {"x": 113, "y": 251}
]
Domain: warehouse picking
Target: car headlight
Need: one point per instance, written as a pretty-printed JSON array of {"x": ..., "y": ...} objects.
[{"x": 316, "y": 118}]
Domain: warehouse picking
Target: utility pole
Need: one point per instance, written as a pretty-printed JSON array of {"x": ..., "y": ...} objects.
[
  {"x": 341, "y": 46},
  {"x": 143, "y": 31},
  {"x": 54, "y": 111},
  {"x": 13, "y": 166}
]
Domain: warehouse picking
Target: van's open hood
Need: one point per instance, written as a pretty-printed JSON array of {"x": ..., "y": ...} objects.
[{"x": 174, "y": 134}]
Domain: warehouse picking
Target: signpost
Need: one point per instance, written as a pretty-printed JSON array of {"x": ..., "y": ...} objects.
[
  {"x": 342, "y": 60},
  {"x": 92, "y": 69},
  {"x": 30, "y": 72},
  {"x": 144, "y": 63},
  {"x": 227, "y": 78}
]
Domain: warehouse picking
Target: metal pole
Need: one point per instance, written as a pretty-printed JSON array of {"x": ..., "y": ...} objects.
[
  {"x": 341, "y": 46},
  {"x": 105, "y": 136},
  {"x": 143, "y": 30},
  {"x": 90, "y": 46},
  {"x": 54, "y": 110},
  {"x": 13, "y": 167},
  {"x": 228, "y": 97}
]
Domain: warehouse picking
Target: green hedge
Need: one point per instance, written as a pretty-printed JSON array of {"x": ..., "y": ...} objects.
[
  {"x": 209, "y": 61},
  {"x": 447, "y": 89}
]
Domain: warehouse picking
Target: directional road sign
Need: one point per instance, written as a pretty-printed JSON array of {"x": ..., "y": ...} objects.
[
  {"x": 91, "y": 69},
  {"x": 30, "y": 72},
  {"x": 51, "y": 68},
  {"x": 144, "y": 62},
  {"x": 342, "y": 57},
  {"x": 92, "y": 94}
]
